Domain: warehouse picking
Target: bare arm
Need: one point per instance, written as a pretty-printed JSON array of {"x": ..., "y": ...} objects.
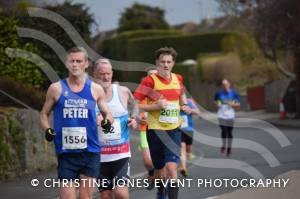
[
  {"x": 235, "y": 105},
  {"x": 158, "y": 105},
  {"x": 184, "y": 103},
  {"x": 51, "y": 97},
  {"x": 195, "y": 111},
  {"x": 183, "y": 99},
  {"x": 133, "y": 106}
]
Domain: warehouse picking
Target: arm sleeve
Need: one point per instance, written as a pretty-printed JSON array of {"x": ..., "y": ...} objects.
[{"x": 144, "y": 88}]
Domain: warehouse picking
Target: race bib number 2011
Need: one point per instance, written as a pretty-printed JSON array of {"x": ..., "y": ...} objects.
[
  {"x": 74, "y": 138},
  {"x": 169, "y": 114}
]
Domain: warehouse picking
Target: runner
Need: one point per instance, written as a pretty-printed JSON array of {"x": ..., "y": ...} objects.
[
  {"x": 115, "y": 144},
  {"x": 187, "y": 130},
  {"x": 75, "y": 134},
  {"x": 227, "y": 100},
  {"x": 165, "y": 94}
]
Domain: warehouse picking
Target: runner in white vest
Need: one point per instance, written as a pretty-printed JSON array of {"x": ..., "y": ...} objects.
[{"x": 115, "y": 146}]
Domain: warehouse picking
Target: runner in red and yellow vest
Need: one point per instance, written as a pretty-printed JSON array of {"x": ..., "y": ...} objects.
[
  {"x": 168, "y": 118},
  {"x": 165, "y": 94}
]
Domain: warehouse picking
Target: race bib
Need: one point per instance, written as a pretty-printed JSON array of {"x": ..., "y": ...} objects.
[
  {"x": 227, "y": 110},
  {"x": 169, "y": 114},
  {"x": 184, "y": 121},
  {"x": 115, "y": 134},
  {"x": 74, "y": 138}
]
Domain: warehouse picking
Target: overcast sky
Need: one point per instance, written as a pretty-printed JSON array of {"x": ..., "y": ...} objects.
[{"x": 107, "y": 12}]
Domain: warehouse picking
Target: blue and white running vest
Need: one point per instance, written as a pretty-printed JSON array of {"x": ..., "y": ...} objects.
[
  {"x": 115, "y": 145},
  {"x": 75, "y": 121}
]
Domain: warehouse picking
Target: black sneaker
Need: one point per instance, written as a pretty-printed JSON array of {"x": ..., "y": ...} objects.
[
  {"x": 163, "y": 195},
  {"x": 184, "y": 173},
  {"x": 151, "y": 182},
  {"x": 228, "y": 152},
  {"x": 222, "y": 150}
]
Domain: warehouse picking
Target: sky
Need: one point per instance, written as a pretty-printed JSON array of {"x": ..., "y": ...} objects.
[{"x": 108, "y": 12}]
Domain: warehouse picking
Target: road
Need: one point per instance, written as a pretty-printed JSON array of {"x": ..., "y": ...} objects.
[{"x": 253, "y": 148}]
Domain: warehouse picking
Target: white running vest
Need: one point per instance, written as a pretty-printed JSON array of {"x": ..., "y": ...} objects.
[{"x": 115, "y": 145}]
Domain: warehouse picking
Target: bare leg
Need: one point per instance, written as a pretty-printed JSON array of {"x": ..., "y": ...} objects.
[
  {"x": 67, "y": 192},
  {"x": 183, "y": 156},
  {"x": 121, "y": 193},
  {"x": 107, "y": 194},
  {"x": 87, "y": 188}
]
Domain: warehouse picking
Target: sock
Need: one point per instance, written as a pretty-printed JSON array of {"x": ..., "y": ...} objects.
[
  {"x": 161, "y": 190},
  {"x": 151, "y": 172},
  {"x": 173, "y": 190}
]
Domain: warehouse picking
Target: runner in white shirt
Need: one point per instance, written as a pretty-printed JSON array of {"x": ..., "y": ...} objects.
[{"x": 115, "y": 146}]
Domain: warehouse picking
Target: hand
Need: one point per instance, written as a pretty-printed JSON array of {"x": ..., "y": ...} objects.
[
  {"x": 106, "y": 125},
  {"x": 132, "y": 123},
  {"x": 49, "y": 134},
  {"x": 162, "y": 103},
  {"x": 142, "y": 119},
  {"x": 231, "y": 103},
  {"x": 186, "y": 109},
  {"x": 219, "y": 103}
]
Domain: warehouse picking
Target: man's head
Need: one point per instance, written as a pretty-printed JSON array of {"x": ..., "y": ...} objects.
[
  {"x": 165, "y": 60},
  {"x": 103, "y": 72},
  {"x": 77, "y": 61},
  {"x": 226, "y": 84}
]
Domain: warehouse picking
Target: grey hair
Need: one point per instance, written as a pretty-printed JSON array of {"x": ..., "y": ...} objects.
[
  {"x": 78, "y": 49},
  {"x": 102, "y": 61}
]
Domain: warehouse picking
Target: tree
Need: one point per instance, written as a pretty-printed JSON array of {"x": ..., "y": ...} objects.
[
  {"x": 19, "y": 69},
  {"x": 142, "y": 17},
  {"x": 277, "y": 28},
  {"x": 236, "y": 7},
  {"x": 76, "y": 13}
]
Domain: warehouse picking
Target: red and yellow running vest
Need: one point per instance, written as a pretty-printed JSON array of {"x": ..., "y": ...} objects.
[{"x": 168, "y": 118}]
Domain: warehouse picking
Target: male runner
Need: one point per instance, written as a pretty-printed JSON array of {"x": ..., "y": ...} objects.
[
  {"x": 115, "y": 144},
  {"x": 75, "y": 134},
  {"x": 165, "y": 94}
]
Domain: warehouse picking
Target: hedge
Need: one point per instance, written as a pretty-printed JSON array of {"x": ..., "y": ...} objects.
[
  {"x": 187, "y": 46},
  {"x": 117, "y": 47}
]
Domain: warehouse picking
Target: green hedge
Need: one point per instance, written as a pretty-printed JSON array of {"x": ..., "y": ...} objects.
[
  {"x": 187, "y": 46},
  {"x": 117, "y": 47},
  {"x": 17, "y": 68}
]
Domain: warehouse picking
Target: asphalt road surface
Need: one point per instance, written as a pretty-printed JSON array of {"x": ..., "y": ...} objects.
[{"x": 256, "y": 154}]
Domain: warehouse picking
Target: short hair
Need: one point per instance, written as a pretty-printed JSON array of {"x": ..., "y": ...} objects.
[
  {"x": 77, "y": 49},
  {"x": 166, "y": 51}
]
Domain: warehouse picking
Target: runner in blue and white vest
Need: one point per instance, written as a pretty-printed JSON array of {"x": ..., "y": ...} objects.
[
  {"x": 75, "y": 132},
  {"x": 187, "y": 129},
  {"x": 227, "y": 100},
  {"x": 115, "y": 151}
]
